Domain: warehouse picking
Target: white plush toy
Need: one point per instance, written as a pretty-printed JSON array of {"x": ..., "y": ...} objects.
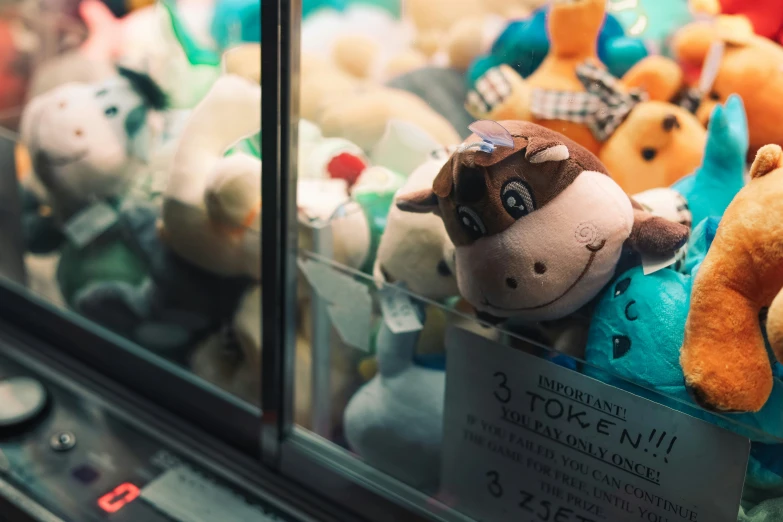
[
  {"x": 416, "y": 250},
  {"x": 235, "y": 372},
  {"x": 212, "y": 219},
  {"x": 394, "y": 422},
  {"x": 90, "y": 141},
  {"x": 328, "y": 158},
  {"x": 212, "y": 205},
  {"x": 363, "y": 40}
]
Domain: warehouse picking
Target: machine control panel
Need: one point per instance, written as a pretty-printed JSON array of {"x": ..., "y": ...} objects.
[{"x": 82, "y": 463}]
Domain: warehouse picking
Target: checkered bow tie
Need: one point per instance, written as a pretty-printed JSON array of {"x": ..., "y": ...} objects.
[{"x": 602, "y": 107}]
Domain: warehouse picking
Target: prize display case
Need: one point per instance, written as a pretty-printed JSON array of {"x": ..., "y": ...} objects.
[{"x": 401, "y": 260}]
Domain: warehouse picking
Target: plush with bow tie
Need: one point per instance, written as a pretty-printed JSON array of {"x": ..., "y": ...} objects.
[{"x": 643, "y": 140}]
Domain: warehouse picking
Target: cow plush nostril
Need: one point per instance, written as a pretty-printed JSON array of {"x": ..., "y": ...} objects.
[
  {"x": 62, "y": 104},
  {"x": 539, "y": 267},
  {"x": 78, "y": 133},
  {"x": 511, "y": 282}
]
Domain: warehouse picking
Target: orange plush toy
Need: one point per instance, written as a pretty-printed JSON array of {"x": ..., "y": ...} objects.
[
  {"x": 748, "y": 65},
  {"x": 644, "y": 141},
  {"x": 723, "y": 356}
]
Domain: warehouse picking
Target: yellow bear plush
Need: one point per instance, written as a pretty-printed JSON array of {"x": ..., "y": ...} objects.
[{"x": 643, "y": 140}]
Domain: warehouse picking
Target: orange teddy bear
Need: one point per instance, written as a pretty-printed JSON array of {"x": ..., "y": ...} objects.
[
  {"x": 723, "y": 356},
  {"x": 749, "y": 65}
]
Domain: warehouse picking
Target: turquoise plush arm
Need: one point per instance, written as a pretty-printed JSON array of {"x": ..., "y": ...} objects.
[{"x": 722, "y": 172}]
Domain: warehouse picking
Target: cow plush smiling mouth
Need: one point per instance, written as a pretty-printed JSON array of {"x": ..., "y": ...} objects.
[{"x": 538, "y": 224}]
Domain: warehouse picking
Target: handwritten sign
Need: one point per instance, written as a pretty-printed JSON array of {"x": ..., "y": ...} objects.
[{"x": 530, "y": 441}]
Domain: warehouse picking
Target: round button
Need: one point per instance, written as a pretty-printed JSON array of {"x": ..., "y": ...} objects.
[
  {"x": 63, "y": 441},
  {"x": 21, "y": 399}
]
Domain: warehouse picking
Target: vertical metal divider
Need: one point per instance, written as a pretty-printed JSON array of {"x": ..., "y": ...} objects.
[
  {"x": 321, "y": 346},
  {"x": 12, "y": 265},
  {"x": 280, "y": 21}
]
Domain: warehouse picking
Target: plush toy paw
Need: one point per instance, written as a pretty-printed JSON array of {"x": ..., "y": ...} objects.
[
  {"x": 499, "y": 94},
  {"x": 723, "y": 356},
  {"x": 714, "y": 387},
  {"x": 233, "y": 197}
]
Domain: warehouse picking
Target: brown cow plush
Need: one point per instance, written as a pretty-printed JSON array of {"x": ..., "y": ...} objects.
[{"x": 538, "y": 227}]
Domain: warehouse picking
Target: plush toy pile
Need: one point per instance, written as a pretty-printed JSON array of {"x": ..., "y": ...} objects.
[{"x": 600, "y": 176}]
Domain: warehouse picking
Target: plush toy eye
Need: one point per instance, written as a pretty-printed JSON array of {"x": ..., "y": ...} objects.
[
  {"x": 443, "y": 268},
  {"x": 648, "y": 153},
  {"x": 621, "y": 345},
  {"x": 714, "y": 96},
  {"x": 517, "y": 198},
  {"x": 111, "y": 112},
  {"x": 471, "y": 222},
  {"x": 622, "y": 286}
]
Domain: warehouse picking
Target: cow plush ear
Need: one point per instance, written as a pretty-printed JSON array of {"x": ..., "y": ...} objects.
[
  {"x": 444, "y": 181},
  {"x": 420, "y": 201},
  {"x": 656, "y": 236},
  {"x": 768, "y": 158},
  {"x": 541, "y": 151},
  {"x": 150, "y": 92}
]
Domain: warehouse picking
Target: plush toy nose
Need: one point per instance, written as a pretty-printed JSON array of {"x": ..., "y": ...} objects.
[{"x": 670, "y": 122}]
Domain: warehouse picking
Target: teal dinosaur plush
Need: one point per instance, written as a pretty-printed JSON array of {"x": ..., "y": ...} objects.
[
  {"x": 636, "y": 333},
  {"x": 721, "y": 175}
]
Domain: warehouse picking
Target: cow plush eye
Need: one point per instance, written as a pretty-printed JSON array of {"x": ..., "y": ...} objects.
[
  {"x": 517, "y": 198},
  {"x": 471, "y": 222},
  {"x": 111, "y": 112}
]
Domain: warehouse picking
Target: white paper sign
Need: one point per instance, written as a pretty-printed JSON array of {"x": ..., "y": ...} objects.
[
  {"x": 529, "y": 441},
  {"x": 350, "y": 305},
  {"x": 188, "y": 496}
]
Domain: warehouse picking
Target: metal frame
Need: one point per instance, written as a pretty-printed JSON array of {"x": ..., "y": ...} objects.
[
  {"x": 278, "y": 231},
  {"x": 305, "y": 457}
]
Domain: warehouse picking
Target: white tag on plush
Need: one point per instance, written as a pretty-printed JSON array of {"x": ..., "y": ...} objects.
[
  {"x": 90, "y": 223},
  {"x": 711, "y": 66},
  {"x": 651, "y": 264},
  {"x": 398, "y": 311}
]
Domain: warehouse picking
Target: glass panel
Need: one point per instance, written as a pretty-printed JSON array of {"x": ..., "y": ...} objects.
[
  {"x": 136, "y": 132},
  {"x": 553, "y": 257}
]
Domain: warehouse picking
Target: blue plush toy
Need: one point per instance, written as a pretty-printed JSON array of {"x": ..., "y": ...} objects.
[
  {"x": 395, "y": 421},
  {"x": 721, "y": 175},
  {"x": 524, "y": 44},
  {"x": 652, "y": 21},
  {"x": 636, "y": 333}
]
